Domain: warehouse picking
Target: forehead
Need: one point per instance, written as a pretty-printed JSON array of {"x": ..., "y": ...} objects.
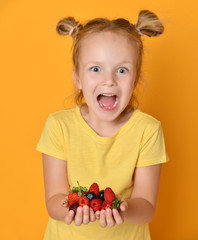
[{"x": 107, "y": 46}]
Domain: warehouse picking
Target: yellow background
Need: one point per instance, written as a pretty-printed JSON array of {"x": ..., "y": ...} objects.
[{"x": 35, "y": 77}]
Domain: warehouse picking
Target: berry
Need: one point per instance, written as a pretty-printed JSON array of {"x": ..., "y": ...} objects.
[
  {"x": 74, "y": 207},
  {"x": 109, "y": 195},
  {"x": 96, "y": 204},
  {"x": 73, "y": 197},
  {"x": 76, "y": 193},
  {"x": 106, "y": 204},
  {"x": 94, "y": 188},
  {"x": 90, "y": 196},
  {"x": 83, "y": 201},
  {"x": 101, "y": 195}
]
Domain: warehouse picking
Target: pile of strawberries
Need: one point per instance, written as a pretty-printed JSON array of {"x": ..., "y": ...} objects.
[{"x": 94, "y": 198}]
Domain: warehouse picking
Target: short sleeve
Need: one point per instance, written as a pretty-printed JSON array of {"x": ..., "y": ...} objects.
[
  {"x": 152, "y": 149},
  {"x": 52, "y": 139}
]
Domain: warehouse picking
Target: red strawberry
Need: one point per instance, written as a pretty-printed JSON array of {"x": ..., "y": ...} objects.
[
  {"x": 94, "y": 188},
  {"x": 83, "y": 201},
  {"x": 109, "y": 195},
  {"x": 106, "y": 204},
  {"x": 76, "y": 193},
  {"x": 73, "y": 197},
  {"x": 96, "y": 204}
]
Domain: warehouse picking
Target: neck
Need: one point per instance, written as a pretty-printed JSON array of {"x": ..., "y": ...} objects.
[{"x": 106, "y": 128}]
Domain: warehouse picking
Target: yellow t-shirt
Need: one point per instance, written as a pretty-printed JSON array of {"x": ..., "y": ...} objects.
[{"x": 109, "y": 161}]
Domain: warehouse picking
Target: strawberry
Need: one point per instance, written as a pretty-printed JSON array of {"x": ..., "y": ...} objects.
[
  {"x": 96, "y": 204},
  {"x": 94, "y": 188},
  {"x": 76, "y": 193},
  {"x": 73, "y": 197},
  {"x": 83, "y": 201},
  {"x": 106, "y": 204},
  {"x": 109, "y": 195}
]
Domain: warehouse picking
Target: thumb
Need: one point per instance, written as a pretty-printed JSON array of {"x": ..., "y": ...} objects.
[
  {"x": 124, "y": 206},
  {"x": 65, "y": 202}
]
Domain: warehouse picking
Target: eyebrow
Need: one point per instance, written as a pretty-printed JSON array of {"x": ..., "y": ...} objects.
[{"x": 99, "y": 63}]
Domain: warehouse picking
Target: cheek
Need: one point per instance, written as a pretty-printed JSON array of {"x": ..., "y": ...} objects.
[
  {"x": 127, "y": 83},
  {"x": 91, "y": 80},
  {"x": 128, "y": 89},
  {"x": 92, "y": 76}
]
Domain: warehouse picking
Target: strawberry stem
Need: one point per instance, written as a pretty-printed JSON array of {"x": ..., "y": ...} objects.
[
  {"x": 117, "y": 202},
  {"x": 123, "y": 193}
]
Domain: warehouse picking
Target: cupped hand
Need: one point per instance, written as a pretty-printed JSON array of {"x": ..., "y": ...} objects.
[
  {"x": 110, "y": 217},
  {"x": 84, "y": 215}
]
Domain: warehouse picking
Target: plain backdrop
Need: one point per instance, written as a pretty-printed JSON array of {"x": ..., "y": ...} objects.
[{"x": 36, "y": 79}]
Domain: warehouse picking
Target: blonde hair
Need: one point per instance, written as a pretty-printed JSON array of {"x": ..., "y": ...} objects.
[{"x": 148, "y": 24}]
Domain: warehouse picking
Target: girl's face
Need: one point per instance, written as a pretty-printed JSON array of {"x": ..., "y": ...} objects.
[{"x": 106, "y": 74}]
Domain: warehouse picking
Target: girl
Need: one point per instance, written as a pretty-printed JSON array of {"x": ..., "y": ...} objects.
[{"x": 105, "y": 138}]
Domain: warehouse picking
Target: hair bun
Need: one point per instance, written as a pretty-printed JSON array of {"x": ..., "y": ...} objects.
[
  {"x": 68, "y": 26},
  {"x": 149, "y": 24}
]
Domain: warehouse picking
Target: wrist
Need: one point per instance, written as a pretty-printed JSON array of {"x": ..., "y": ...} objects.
[
  {"x": 140, "y": 211},
  {"x": 57, "y": 206}
]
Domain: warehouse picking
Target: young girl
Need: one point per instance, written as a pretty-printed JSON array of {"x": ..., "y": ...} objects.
[{"x": 105, "y": 138}]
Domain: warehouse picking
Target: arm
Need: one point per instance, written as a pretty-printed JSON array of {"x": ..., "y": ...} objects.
[
  {"x": 56, "y": 190},
  {"x": 140, "y": 208},
  {"x": 56, "y": 186}
]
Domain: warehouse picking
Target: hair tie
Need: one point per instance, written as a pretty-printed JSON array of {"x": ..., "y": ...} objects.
[
  {"x": 138, "y": 31},
  {"x": 71, "y": 31}
]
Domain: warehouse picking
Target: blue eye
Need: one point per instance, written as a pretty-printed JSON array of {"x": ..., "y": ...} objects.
[
  {"x": 95, "y": 69},
  {"x": 122, "y": 70}
]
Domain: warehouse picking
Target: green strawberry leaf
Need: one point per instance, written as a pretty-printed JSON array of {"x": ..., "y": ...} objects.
[
  {"x": 79, "y": 190},
  {"x": 117, "y": 202},
  {"x": 84, "y": 189}
]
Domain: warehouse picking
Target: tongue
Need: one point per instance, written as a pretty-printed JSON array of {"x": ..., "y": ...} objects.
[{"x": 107, "y": 101}]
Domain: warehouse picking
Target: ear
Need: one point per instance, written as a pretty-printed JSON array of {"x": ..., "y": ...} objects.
[
  {"x": 135, "y": 84},
  {"x": 136, "y": 81},
  {"x": 76, "y": 78}
]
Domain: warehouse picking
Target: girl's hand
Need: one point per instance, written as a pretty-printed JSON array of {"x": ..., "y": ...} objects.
[
  {"x": 110, "y": 217},
  {"x": 84, "y": 215}
]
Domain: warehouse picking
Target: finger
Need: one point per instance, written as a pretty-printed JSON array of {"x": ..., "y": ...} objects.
[
  {"x": 117, "y": 217},
  {"x": 92, "y": 215},
  {"x": 124, "y": 206},
  {"x": 109, "y": 218},
  {"x": 65, "y": 202},
  {"x": 69, "y": 217},
  {"x": 103, "y": 219},
  {"x": 79, "y": 216},
  {"x": 97, "y": 215},
  {"x": 85, "y": 215}
]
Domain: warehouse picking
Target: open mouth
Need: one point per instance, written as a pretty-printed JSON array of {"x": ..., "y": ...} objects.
[{"x": 107, "y": 101}]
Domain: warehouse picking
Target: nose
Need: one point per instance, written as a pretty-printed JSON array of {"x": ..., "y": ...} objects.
[{"x": 109, "y": 79}]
